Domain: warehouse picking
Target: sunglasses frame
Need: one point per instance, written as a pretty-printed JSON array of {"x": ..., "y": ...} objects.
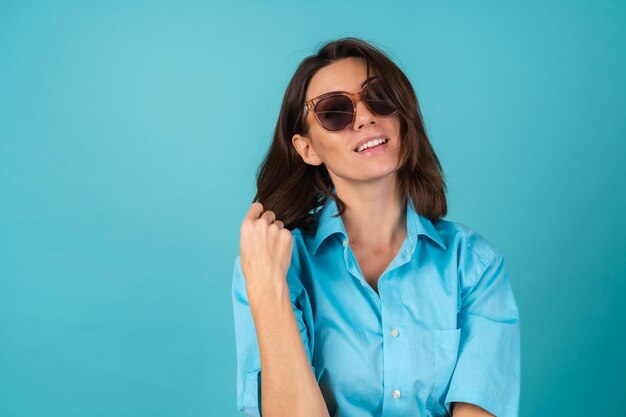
[{"x": 309, "y": 105}]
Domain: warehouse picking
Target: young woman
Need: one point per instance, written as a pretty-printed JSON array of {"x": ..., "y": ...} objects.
[{"x": 352, "y": 295}]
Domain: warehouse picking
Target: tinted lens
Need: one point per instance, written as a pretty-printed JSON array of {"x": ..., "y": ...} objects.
[
  {"x": 334, "y": 112},
  {"x": 377, "y": 95}
]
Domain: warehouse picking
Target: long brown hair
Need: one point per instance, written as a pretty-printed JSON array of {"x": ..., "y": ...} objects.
[{"x": 295, "y": 190}]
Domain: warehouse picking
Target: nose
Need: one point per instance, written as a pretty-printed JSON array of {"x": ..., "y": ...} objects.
[{"x": 363, "y": 116}]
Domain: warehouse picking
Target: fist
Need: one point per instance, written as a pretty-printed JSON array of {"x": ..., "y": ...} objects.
[{"x": 265, "y": 251}]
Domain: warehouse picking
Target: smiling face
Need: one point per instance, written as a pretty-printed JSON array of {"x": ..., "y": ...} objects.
[{"x": 338, "y": 150}]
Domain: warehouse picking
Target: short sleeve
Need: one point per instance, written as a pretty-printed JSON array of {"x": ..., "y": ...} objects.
[
  {"x": 248, "y": 355},
  {"x": 487, "y": 371}
]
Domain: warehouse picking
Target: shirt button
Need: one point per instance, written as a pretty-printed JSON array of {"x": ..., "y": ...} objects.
[
  {"x": 345, "y": 243},
  {"x": 396, "y": 394},
  {"x": 394, "y": 332}
]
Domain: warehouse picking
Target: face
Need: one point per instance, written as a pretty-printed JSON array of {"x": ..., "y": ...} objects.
[{"x": 338, "y": 150}]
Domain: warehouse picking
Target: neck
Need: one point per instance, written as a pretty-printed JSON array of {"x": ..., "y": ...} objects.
[{"x": 374, "y": 215}]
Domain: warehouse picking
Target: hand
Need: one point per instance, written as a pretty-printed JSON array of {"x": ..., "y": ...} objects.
[{"x": 265, "y": 250}]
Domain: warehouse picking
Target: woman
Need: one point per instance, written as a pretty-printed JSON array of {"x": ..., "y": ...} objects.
[{"x": 351, "y": 293}]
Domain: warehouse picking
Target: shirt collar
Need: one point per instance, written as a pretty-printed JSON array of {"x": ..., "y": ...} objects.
[{"x": 416, "y": 225}]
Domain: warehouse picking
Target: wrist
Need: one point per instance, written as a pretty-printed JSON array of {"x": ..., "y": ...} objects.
[
  {"x": 270, "y": 305},
  {"x": 267, "y": 291}
]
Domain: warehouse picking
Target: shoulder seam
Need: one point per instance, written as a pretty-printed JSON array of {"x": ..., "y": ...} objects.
[
  {"x": 485, "y": 267},
  {"x": 485, "y": 260}
]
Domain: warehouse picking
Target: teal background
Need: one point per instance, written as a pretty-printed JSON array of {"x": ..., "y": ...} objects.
[{"x": 130, "y": 134}]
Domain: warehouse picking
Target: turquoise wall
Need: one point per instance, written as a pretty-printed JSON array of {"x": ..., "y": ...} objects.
[{"x": 130, "y": 133}]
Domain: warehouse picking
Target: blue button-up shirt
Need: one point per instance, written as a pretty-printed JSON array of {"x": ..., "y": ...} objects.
[{"x": 444, "y": 326}]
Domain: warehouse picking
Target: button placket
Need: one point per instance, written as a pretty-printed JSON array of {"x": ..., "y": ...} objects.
[{"x": 395, "y": 346}]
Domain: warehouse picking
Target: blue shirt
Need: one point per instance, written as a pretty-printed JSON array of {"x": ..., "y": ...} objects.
[{"x": 444, "y": 326}]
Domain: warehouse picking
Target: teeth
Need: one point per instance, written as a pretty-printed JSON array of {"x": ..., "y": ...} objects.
[{"x": 371, "y": 143}]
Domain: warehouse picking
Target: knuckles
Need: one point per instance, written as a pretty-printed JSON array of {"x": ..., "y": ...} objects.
[{"x": 265, "y": 225}]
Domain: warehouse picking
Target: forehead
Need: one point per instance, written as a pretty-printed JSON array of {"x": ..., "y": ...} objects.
[{"x": 347, "y": 74}]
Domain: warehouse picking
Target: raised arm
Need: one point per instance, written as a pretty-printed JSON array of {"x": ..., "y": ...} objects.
[{"x": 288, "y": 385}]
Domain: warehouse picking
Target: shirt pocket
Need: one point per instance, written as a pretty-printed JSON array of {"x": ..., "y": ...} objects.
[{"x": 445, "y": 351}]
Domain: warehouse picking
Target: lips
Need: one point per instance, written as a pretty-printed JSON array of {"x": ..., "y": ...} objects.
[
  {"x": 373, "y": 151},
  {"x": 372, "y": 145},
  {"x": 369, "y": 138}
]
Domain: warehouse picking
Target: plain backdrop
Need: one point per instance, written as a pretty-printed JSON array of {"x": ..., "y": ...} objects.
[{"x": 130, "y": 136}]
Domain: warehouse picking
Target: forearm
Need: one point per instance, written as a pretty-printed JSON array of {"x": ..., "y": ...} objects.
[{"x": 288, "y": 385}]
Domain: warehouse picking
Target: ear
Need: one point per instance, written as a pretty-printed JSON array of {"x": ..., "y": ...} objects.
[{"x": 305, "y": 149}]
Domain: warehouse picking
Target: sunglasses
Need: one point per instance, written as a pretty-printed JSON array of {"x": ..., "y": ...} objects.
[{"x": 336, "y": 110}]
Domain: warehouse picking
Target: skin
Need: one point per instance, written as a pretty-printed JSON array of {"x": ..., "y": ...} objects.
[
  {"x": 368, "y": 186},
  {"x": 288, "y": 385}
]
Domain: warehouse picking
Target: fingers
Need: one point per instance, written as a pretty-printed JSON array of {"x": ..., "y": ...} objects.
[
  {"x": 254, "y": 211},
  {"x": 269, "y": 216}
]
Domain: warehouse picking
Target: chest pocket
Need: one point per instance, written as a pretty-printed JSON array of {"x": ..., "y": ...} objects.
[{"x": 445, "y": 351}]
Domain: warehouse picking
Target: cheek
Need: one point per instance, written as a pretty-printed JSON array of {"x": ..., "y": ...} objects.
[
  {"x": 396, "y": 123},
  {"x": 327, "y": 146},
  {"x": 330, "y": 152}
]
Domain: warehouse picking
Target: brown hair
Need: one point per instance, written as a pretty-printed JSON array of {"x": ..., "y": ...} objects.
[{"x": 295, "y": 190}]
